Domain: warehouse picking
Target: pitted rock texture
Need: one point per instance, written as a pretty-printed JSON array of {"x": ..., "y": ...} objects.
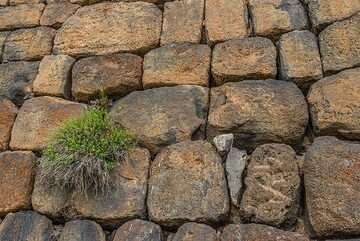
[
  {"x": 299, "y": 57},
  {"x": 258, "y": 112},
  {"x": 164, "y": 115},
  {"x": 25, "y": 226},
  {"x": 8, "y": 114},
  {"x": 3, "y": 36},
  {"x": 187, "y": 183},
  {"x": 243, "y": 59},
  {"x": 332, "y": 173},
  {"x": 17, "y": 171},
  {"x": 16, "y": 80},
  {"x": 82, "y": 230},
  {"x": 139, "y": 230},
  {"x": 272, "y": 193},
  {"x": 16, "y": 2},
  {"x": 177, "y": 64},
  {"x": 36, "y": 119},
  {"x": 109, "y": 28},
  {"x": 20, "y": 16},
  {"x": 334, "y": 104},
  {"x": 56, "y": 14},
  {"x": 195, "y": 232},
  {"x": 225, "y": 20},
  {"x": 256, "y": 232},
  {"x": 117, "y": 75},
  {"x": 339, "y": 45}
]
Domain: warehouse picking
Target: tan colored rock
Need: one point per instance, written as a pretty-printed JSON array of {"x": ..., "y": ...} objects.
[
  {"x": 163, "y": 116},
  {"x": 8, "y": 114},
  {"x": 225, "y": 20},
  {"x": 29, "y": 44},
  {"x": 177, "y": 64},
  {"x": 256, "y": 232},
  {"x": 3, "y": 36},
  {"x": 56, "y": 14},
  {"x": 183, "y": 22},
  {"x": 331, "y": 174},
  {"x": 53, "y": 77},
  {"x": 82, "y": 230},
  {"x": 20, "y": 16},
  {"x": 299, "y": 57},
  {"x": 339, "y": 45},
  {"x": 36, "y": 119},
  {"x": 15, "y": 2},
  {"x": 243, "y": 59},
  {"x": 187, "y": 184},
  {"x": 275, "y": 17},
  {"x": 109, "y": 28},
  {"x": 272, "y": 194},
  {"x": 334, "y": 103},
  {"x": 139, "y": 230},
  {"x": 16, "y": 80},
  {"x": 195, "y": 232},
  {"x": 17, "y": 171},
  {"x": 324, "y": 12},
  {"x": 258, "y": 112},
  {"x": 4, "y": 3},
  {"x": 117, "y": 75}
]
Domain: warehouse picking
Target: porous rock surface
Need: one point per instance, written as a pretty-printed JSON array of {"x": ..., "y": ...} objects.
[
  {"x": 8, "y": 111},
  {"x": 82, "y": 230},
  {"x": 195, "y": 231},
  {"x": 139, "y": 230}
]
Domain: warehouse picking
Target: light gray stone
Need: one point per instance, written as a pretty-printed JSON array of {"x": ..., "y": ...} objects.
[{"x": 224, "y": 142}]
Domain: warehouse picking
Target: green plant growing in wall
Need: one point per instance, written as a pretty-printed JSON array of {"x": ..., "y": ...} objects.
[{"x": 83, "y": 151}]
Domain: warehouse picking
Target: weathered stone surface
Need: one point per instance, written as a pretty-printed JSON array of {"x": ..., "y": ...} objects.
[
  {"x": 275, "y": 17},
  {"x": 139, "y": 230},
  {"x": 117, "y": 75},
  {"x": 37, "y": 117},
  {"x": 177, "y": 64},
  {"x": 324, "y": 12},
  {"x": 235, "y": 164},
  {"x": 258, "y": 112},
  {"x": 164, "y": 115},
  {"x": 126, "y": 200},
  {"x": 16, "y": 80},
  {"x": 53, "y": 77},
  {"x": 272, "y": 193},
  {"x": 4, "y": 3},
  {"x": 17, "y": 171},
  {"x": 195, "y": 232},
  {"x": 8, "y": 114},
  {"x": 256, "y": 232},
  {"x": 182, "y": 22},
  {"x": 20, "y": 16},
  {"x": 243, "y": 59},
  {"x": 225, "y": 20},
  {"x": 223, "y": 143},
  {"x": 15, "y": 2},
  {"x": 82, "y": 230},
  {"x": 334, "y": 103},
  {"x": 339, "y": 45},
  {"x": 332, "y": 173},
  {"x": 187, "y": 184},
  {"x": 56, "y": 14},
  {"x": 29, "y": 44},
  {"x": 299, "y": 57},
  {"x": 25, "y": 226},
  {"x": 109, "y": 28},
  {"x": 3, "y": 36}
]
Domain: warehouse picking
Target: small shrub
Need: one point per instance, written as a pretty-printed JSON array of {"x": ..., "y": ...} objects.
[{"x": 82, "y": 152}]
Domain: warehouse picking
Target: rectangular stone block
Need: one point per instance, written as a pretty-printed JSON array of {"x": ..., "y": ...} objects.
[
  {"x": 55, "y": 14},
  {"x": 20, "y": 16}
]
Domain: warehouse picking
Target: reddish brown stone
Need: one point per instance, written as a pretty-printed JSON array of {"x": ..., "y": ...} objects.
[
  {"x": 20, "y": 16},
  {"x": 139, "y": 230},
  {"x": 56, "y": 14},
  {"x": 8, "y": 114},
  {"x": 195, "y": 232}
]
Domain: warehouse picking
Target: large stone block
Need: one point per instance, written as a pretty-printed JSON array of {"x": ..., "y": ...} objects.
[
  {"x": 117, "y": 75},
  {"x": 29, "y": 44},
  {"x": 339, "y": 45},
  {"x": 82, "y": 230},
  {"x": 334, "y": 103},
  {"x": 258, "y": 112},
  {"x": 183, "y": 22},
  {"x": 275, "y": 17},
  {"x": 243, "y": 59},
  {"x": 177, "y": 64},
  {"x": 195, "y": 232},
  {"x": 139, "y": 230},
  {"x": 36, "y": 119},
  {"x": 225, "y": 20},
  {"x": 332, "y": 174},
  {"x": 299, "y": 57},
  {"x": 17, "y": 171},
  {"x": 8, "y": 114},
  {"x": 3, "y": 36},
  {"x": 164, "y": 115},
  {"x": 20, "y": 16},
  {"x": 15, "y": 2},
  {"x": 272, "y": 193},
  {"x": 56, "y": 14},
  {"x": 187, "y": 184},
  {"x": 110, "y": 28},
  {"x": 16, "y": 80}
]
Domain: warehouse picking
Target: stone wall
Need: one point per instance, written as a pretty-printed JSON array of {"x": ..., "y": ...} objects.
[{"x": 247, "y": 113}]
